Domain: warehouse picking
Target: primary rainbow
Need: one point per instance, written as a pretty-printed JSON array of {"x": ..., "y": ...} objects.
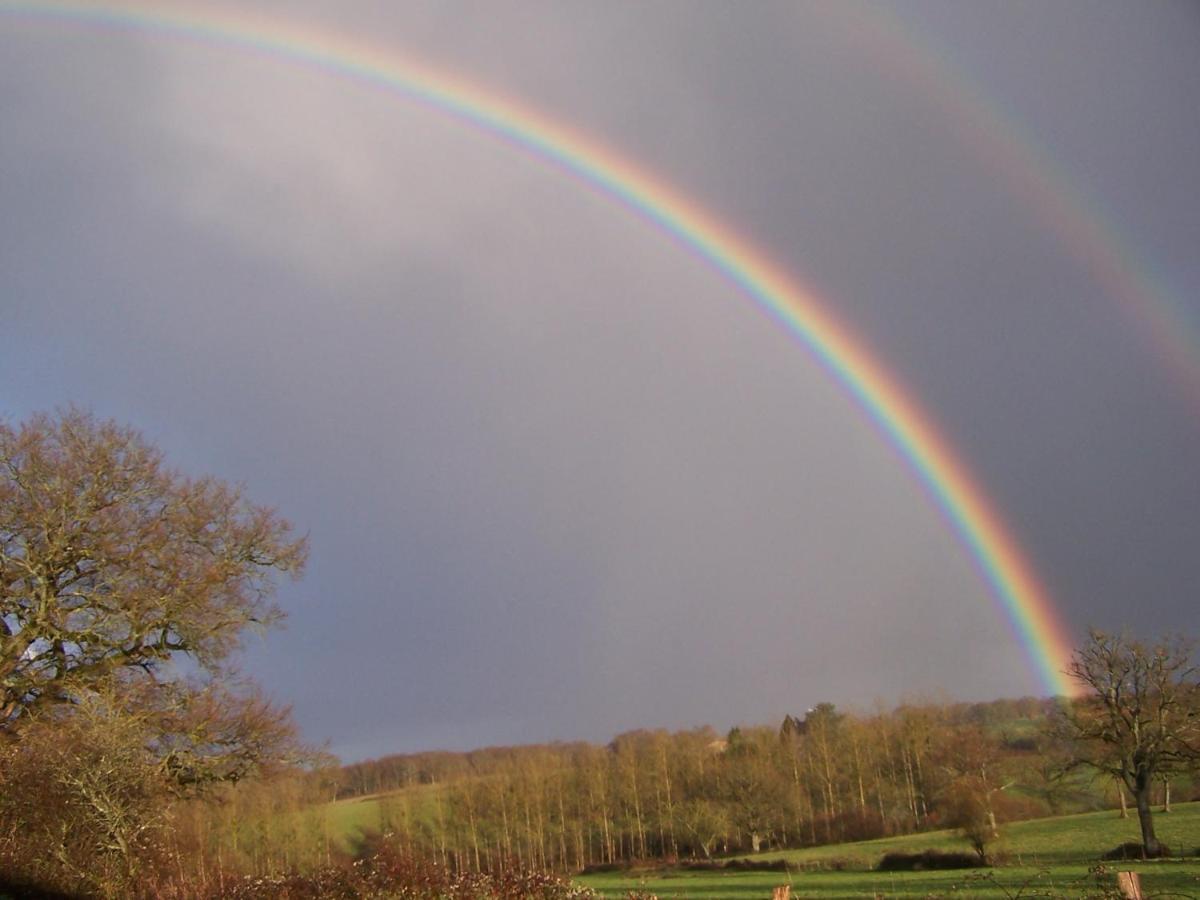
[{"x": 973, "y": 518}]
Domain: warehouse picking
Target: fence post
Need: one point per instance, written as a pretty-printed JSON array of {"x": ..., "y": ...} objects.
[{"x": 1130, "y": 885}]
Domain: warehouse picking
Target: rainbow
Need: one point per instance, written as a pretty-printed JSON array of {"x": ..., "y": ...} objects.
[
  {"x": 1087, "y": 231},
  {"x": 972, "y": 517}
]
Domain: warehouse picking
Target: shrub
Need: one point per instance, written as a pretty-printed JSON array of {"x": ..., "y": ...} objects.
[
  {"x": 735, "y": 865},
  {"x": 388, "y": 873},
  {"x": 1134, "y": 850},
  {"x": 81, "y": 807},
  {"x": 603, "y": 868},
  {"x": 930, "y": 859}
]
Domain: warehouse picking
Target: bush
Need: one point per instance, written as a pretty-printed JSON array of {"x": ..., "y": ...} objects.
[
  {"x": 735, "y": 865},
  {"x": 603, "y": 868},
  {"x": 930, "y": 859},
  {"x": 82, "y": 810},
  {"x": 828, "y": 864},
  {"x": 757, "y": 865},
  {"x": 388, "y": 873},
  {"x": 1134, "y": 850},
  {"x": 19, "y": 889}
]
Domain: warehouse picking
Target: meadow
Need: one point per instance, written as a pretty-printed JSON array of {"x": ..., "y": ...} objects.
[
  {"x": 349, "y": 821},
  {"x": 1053, "y": 857},
  {"x": 1048, "y": 857}
]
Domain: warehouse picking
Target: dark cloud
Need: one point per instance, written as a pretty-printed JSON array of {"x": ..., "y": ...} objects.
[{"x": 561, "y": 479}]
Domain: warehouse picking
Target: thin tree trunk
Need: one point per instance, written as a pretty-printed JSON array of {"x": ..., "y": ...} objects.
[
  {"x": 474, "y": 832},
  {"x": 862, "y": 794},
  {"x": 920, "y": 783},
  {"x": 658, "y": 806},
  {"x": 879, "y": 795},
  {"x": 562, "y": 828},
  {"x": 506, "y": 847},
  {"x": 674, "y": 851},
  {"x": 909, "y": 788},
  {"x": 441, "y": 824},
  {"x": 637, "y": 809}
]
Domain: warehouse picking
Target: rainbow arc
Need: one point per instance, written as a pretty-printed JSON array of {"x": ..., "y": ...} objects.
[{"x": 898, "y": 417}]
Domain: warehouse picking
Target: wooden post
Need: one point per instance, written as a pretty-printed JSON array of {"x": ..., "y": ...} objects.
[
  {"x": 1129, "y": 885},
  {"x": 783, "y": 892}
]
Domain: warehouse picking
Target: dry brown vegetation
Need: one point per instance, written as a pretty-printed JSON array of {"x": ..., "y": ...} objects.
[
  {"x": 821, "y": 778},
  {"x": 113, "y": 566}
]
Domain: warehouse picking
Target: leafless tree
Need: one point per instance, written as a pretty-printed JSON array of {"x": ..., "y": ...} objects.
[
  {"x": 1140, "y": 717},
  {"x": 111, "y": 563},
  {"x": 111, "y": 566}
]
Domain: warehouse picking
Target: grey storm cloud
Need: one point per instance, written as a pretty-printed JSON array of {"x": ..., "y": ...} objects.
[{"x": 561, "y": 479}]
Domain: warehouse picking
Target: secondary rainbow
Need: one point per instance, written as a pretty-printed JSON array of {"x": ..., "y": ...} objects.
[
  {"x": 1091, "y": 234},
  {"x": 1012, "y": 580}
]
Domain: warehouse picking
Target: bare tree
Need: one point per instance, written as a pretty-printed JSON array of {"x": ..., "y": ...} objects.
[
  {"x": 111, "y": 563},
  {"x": 1140, "y": 718},
  {"x": 972, "y": 764}
]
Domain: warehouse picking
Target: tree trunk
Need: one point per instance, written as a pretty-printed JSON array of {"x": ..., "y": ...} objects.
[{"x": 1141, "y": 795}]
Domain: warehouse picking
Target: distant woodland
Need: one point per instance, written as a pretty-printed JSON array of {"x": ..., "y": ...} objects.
[{"x": 821, "y": 777}]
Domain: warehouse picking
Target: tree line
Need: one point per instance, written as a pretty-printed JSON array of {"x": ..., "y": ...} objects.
[{"x": 822, "y": 777}]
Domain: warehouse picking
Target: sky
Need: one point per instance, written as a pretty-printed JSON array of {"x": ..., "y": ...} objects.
[{"x": 561, "y": 478}]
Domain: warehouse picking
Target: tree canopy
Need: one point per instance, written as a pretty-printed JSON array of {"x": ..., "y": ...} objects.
[{"x": 111, "y": 563}]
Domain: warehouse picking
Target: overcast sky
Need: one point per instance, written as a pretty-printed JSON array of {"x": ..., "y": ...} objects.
[{"x": 561, "y": 479}]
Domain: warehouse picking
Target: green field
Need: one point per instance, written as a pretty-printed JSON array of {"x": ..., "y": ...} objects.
[
  {"x": 351, "y": 819},
  {"x": 1040, "y": 858}
]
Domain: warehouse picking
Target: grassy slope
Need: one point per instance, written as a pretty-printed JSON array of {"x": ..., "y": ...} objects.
[
  {"x": 1044, "y": 857},
  {"x": 350, "y": 820}
]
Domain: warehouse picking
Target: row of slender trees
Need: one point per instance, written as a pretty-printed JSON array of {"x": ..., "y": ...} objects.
[{"x": 822, "y": 777}]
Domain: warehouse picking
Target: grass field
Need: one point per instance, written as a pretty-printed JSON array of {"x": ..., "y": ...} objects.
[
  {"x": 350, "y": 820},
  {"x": 1041, "y": 858}
]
